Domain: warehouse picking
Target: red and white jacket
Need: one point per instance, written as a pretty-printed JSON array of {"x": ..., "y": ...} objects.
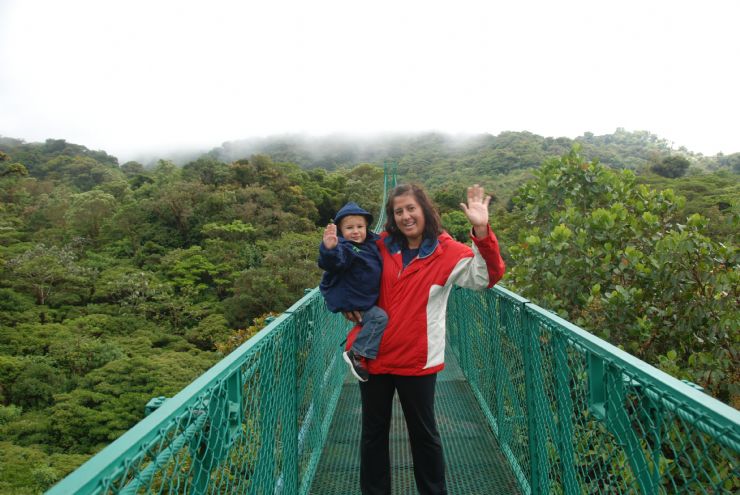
[{"x": 415, "y": 298}]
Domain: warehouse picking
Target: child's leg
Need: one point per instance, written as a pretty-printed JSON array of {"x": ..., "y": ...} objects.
[{"x": 374, "y": 321}]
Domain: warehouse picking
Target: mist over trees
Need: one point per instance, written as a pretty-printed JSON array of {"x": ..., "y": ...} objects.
[
  {"x": 506, "y": 151},
  {"x": 119, "y": 283}
]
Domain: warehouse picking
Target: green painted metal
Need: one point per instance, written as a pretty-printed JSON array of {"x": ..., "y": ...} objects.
[
  {"x": 565, "y": 420},
  {"x": 566, "y": 412},
  {"x": 390, "y": 179},
  {"x": 598, "y": 420},
  {"x": 474, "y": 461},
  {"x": 254, "y": 423}
]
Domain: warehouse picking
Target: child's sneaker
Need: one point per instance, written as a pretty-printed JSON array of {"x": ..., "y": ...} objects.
[{"x": 356, "y": 365}]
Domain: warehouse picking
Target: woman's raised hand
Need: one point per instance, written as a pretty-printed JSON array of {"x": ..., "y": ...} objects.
[
  {"x": 330, "y": 236},
  {"x": 477, "y": 209}
]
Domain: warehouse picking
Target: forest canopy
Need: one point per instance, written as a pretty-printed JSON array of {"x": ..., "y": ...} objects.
[{"x": 123, "y": 282}]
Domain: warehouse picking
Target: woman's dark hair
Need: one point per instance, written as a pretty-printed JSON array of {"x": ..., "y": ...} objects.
[{"x": 432, "y": 222}]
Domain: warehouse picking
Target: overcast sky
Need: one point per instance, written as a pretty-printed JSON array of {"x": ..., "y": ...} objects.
[{"x": 133, "y": 76}]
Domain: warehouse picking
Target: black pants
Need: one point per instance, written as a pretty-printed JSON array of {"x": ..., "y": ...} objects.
[{"x": 416, "y": 394}]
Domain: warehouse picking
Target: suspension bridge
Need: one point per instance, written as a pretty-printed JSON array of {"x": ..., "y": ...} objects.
[{"x": 527, "y": 404}]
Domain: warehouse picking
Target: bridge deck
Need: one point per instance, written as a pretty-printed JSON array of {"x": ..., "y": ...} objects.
[{"x": 475, "y": 464}]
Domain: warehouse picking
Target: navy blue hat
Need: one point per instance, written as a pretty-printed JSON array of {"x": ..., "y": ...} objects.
[{"x": 352, "y": 208}]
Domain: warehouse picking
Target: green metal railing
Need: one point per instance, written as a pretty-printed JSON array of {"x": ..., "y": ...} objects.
[
  {"x": 575, "y": 415},
  {"x": 254, "y": 423},
  {"x": 390, "y": 179},
  {"x": 572, "y": 414}
]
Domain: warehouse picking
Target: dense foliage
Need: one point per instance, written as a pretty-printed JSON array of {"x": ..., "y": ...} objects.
[
  {"x": 122, "y": 283},
  {"x": 620, "y": 260}
]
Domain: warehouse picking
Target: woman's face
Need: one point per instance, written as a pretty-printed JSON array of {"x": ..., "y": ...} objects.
[{"x": 409, "y": 218}]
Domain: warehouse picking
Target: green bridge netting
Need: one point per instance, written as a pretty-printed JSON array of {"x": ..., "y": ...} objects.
[{"x": 529, "y": 403}]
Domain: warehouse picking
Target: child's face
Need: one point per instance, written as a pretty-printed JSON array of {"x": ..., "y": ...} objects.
[{"x": 354, "y": 228}]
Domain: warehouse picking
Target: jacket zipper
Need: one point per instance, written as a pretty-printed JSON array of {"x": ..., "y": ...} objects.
[{"x": 400, "y": 272}]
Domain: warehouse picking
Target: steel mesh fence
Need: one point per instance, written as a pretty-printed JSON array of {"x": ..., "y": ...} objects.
[
  {"x": 473, "y": 460},
  {"x": 575, "y": 415},
  {"x": 255, "y": 423},
  {"x": 571, "y": 413}
]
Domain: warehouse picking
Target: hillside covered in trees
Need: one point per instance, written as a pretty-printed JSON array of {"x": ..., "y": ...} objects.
[
  {"x": 503, "y": 153},
  {"x": 120, "y": 282}
]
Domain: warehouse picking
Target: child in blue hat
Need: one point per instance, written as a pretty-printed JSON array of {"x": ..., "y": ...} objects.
[{"x": 351, "y": 281}]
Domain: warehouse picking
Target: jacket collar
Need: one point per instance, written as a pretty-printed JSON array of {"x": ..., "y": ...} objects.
[{"x": 426, "y": 248}]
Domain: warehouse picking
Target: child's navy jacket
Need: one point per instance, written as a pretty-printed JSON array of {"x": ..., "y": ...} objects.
[{"x": 352, "y": 277}]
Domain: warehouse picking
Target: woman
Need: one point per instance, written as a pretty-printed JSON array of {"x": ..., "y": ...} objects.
[{"x": 421, "y": 263}]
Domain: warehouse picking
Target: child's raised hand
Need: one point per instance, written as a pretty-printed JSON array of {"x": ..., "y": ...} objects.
[{"x": 330, "y": 236}]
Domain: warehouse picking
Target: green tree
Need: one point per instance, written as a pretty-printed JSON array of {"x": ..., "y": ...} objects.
[
  {"x": 82, "y": 172},
  {"x": 263, "y": 206},
  {"x": 208, "y": 332},
  {"x": 43, "y": 269},
  {"x": 671, "y": 166},
  {"x": 364, "y": 186},
  {"x": 257, "y": 292},
  {"x": 82, "y": 354},
  {"x": 207, "y": 170},
  {"x": 118, "y": 188},
  {"x": 132, "y": 168},
  {"x": 457, "y": 225},
  {"x": 130, "y": 225},
  {"x": 11, "y": 300},
  {"x": 288, "y": 267},
  {"x": 126, "y": 285},
  {"x": 36, "y": 384},
  {"x": 243, "y": 172},
  {"x": 449, "y": 199},
  {"x": 189, "y": 270},
  {"x": 166, "y": 172},
  {"x": 12, "y": 178},
  {"x": 10, "y": 368},
  {"x": 114, "y": 395},
  {"x": 88, "y": 212},
  {"x": 732, "y": 162},
  {"x": 597, "y": 249},
  {"x": 697, "y": 290},
  {"x": 234, "y": 231},
  {"x": 13, "y": 169},
  {"x": 175, "y": 207}
]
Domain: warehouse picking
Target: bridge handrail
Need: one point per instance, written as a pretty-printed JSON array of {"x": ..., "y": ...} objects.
[
  {"x": 540, "y": 414},
  {"x": 127, "y": 462},
  {"x": 565, "y": 404},
  {"x": 702, "y": 404},
  {"x": 671, "y": 389}
]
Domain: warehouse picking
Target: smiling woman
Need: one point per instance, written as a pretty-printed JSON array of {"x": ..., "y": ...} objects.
[{"x": 409, "y": 216}]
